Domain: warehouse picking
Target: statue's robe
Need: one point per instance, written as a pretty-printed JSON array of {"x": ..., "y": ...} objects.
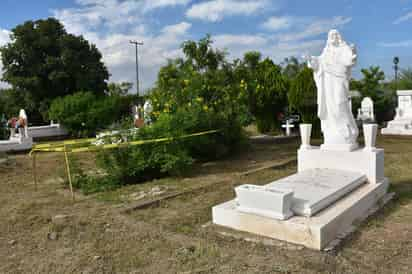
[{"x": 332, "y": 80}]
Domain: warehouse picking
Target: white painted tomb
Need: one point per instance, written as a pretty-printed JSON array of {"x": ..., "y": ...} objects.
[
  {"x": 265, "y": 201},
  {"x": 315, "y": 189},
  {"x": 366, "y": 111},
  {"x": 402, "y": 123},
  {"x": 52, "y": 130},
  {"x": 18, "y": 141},
  {"x": 336, "y": 185}
]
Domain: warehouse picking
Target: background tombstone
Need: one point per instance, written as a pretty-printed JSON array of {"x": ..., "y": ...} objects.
[
  {"x": 147, "y": 112},
  {"x": 402, "y": 123},
  {"x": 366, "y": 111}
]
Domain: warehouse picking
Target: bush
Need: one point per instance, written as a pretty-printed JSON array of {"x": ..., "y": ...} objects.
[
  {"x": 83, "y": 113},
  {"x": 134, "y": 164},
  {"x": 302, "y": 98},
  {"x": 265, "y": 89},
  {"x": 191, "y": 95}
]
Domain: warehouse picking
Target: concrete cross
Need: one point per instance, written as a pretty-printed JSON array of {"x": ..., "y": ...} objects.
[{"x": 288, "y": 127}]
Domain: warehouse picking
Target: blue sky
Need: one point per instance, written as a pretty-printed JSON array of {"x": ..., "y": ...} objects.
[{"x": 278, "y": 28}]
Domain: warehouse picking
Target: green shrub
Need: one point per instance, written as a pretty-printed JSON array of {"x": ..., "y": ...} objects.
[
  {"x": 134, "y": 164},
  {"x": 302, "y": 98},
  {"x": 83, "y": 113},
  {"x": 191, "y": 95}
]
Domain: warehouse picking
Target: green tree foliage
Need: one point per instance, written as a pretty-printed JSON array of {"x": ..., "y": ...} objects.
[
  {"x": 83, "y": 113},
  {"x": 270, "y": 95},
  {"x": 201, "y": 79},
  {"x": 370, "y": 83},
  {"x": 302, "y": 96},
  {"x": 263, "y": 87},
  {"x": 11, "y": 101},
  {"x": 47, "y": 62},
  {"x": 291, "y": 67},
  {"x": 405, "y": 79},
  {"x": 120, "y": 89}
]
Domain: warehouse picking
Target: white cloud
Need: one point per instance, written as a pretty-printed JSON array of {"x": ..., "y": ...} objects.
[
  {"x": 216, "y": 10},
  {"x": 4, "y": 39},
  {"x": 155, "y": 4},
  {"x": 277, "y": 23},
  {"x": 4, "y": 36},
  {"x": 114, "y": 15},
  {"x": 403, "y": 18},
  {"x": 315, "y": 28},
  {"x": 269, "y": 46},
  {"x": 111, "y": 24},
  {"x": 180, "y": 28},
  {"x": 399, "y": 44},
  {"x": 119, "y": 54},
  {"x": 242, "y": 40}
]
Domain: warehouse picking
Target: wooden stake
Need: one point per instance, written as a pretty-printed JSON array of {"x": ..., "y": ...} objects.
[
  {"x": 68, "y": 172},
  {"x": 34, "y": 170}
]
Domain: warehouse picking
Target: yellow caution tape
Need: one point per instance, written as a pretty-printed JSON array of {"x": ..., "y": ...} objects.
[
  {"x": 62, "y": 146},
  {"x": 66, "y": 142}
]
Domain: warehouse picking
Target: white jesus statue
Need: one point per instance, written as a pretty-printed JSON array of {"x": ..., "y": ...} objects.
[{"x": 332, "y": 72}]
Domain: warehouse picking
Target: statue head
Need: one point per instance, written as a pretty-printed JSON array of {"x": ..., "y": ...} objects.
[{"x": 334, "y": 38}]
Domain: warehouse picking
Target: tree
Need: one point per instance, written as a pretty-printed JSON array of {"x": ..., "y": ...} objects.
[
  {"x": 371, "y": 86},
  {"x": 265, "y": 89},
  {"x": 370, "y": 83},
  {"x": 291, "y": 67},
  {"x": 270, "y": 95},
  {"x": 203, "y": 86},
  {"x": 405, "y": 79},
  {"x": 120, "y": 89},
  {"x": 47, "y": 62},
  {"x": 201, "y": 56},
  {"x": 302, "y": 96}
]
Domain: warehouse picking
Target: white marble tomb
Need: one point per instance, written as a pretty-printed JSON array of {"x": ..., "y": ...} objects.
[
  {"x": 18, "y": 141},
  {"x": 402, "y": 123},
  {"x": 336, "y": 185}
]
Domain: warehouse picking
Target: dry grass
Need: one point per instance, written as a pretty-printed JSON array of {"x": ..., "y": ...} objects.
[{"x": 98, "y": 238}]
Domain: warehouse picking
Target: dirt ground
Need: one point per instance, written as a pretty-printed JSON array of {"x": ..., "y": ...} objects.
[{"x": 43, "y": 231}]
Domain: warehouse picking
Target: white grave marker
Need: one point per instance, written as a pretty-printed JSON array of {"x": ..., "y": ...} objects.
[
  {"x": 366, "y": 111},
  {"x": 402, "y": 123},
  {"x": 288, "y": 126}
]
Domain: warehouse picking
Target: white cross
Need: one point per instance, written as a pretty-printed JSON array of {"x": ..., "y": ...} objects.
[{"x": 288, "y": 127}]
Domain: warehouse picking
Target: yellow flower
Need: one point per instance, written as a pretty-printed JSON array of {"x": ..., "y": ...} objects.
[
  {"x": 199, "y": 99},
  {"x": 205, "y": 108}
]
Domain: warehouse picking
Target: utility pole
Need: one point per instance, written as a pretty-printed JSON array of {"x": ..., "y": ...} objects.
[
  {"x": 137, "y": 44},
  {"x": 396, "y": 68}
]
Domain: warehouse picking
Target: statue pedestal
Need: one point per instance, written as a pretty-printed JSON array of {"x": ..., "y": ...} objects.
[
  {"x": 334, "y": 189},
  {"x": 345, "y": 147},
  {"x": 367, "y": 162},
  {"x": 329, "y": 195}
]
